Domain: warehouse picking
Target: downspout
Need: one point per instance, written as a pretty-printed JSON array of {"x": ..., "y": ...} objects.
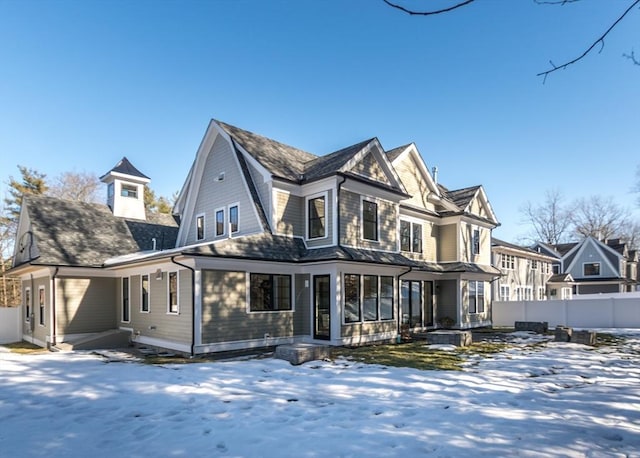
[
  {"x": 193, "y": 303},
  {"x": 31, "y": 314},
  {"x": 53, "y": 306},
  {"x": 338, "y": 211},
  {"x": 399, "y": 337}
]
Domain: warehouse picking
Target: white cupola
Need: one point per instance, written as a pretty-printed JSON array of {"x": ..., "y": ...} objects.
[{"x": 125, "y": 190}]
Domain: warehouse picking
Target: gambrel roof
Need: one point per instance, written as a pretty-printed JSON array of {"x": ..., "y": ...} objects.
[{"x": 71, "y": 233}]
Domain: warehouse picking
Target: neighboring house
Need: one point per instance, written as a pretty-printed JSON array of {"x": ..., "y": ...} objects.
[
  {"x": 274, "y": 245},
  {"x": 525, "y": 272},
  {"x": 595, "y": 266}
]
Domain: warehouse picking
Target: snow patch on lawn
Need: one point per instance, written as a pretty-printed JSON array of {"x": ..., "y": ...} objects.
[{"x": 552, "y": 399}]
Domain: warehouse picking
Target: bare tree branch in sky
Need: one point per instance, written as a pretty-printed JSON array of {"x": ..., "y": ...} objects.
[
  {"x": 599, "y": 217},
  {"x": 599, "y": 41},
  {"x": 427, "y": 13},
  {"x": 554, "y": 67},
  {"x": 550, "y": 220}
]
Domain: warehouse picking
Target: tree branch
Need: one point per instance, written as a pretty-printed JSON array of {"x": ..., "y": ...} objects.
[
  {"x": 590, "y": 48},
  {"x": 427, "y": 13},
  {"x": 632, "y": 56}
]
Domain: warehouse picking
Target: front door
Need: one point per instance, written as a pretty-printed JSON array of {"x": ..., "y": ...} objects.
[{"x": 322, "y": 307}]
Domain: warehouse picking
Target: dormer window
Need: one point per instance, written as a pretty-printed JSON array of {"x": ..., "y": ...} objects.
[
  {"x": 128, "y": 190},
  {"x": 591, "y": 269}
]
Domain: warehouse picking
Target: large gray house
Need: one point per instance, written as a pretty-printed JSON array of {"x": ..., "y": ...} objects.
[{"x": 267, "y": 245}]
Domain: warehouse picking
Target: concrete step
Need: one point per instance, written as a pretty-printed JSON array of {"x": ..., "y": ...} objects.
[
  {"x": 301, "y": 352},
  {"x": 113, "y": 338}
]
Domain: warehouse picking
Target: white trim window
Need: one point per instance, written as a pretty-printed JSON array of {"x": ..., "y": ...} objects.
[
  {"x": 126, "y": 302},
  {"x": 566, "y": 293},
  {"x": 505, "y": 293},
  {"x": 476, "y": 296},
  {"x": 475, "y": 245},
  {"x": 541, "y": 291},
  {"x": 369, "y": 218},
  {"x": 41, "y": 302},
  {"x": 524, "y": 293},
  {"x": 410, "y": 236},
  {"x": 317, "y": 216},
  {"x": 219, "y": 222},
  {"x": 507, "y": 261},
  {"x": 234, "y": 218},
  {"x": 144, "y": 293},
  {"x": 27, "y": 304},
  {"x": 368, "y": 298},
  {"x": 173, "y": 293},
  {"x": 200, "y": 227},
  {"x": 128, "y": 190},
  {"x": 591, "y": 269},
  {"x": 269, "y": 292}
]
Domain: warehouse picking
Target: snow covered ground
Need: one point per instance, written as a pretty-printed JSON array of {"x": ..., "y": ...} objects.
[{"x": 556, "y": 399}]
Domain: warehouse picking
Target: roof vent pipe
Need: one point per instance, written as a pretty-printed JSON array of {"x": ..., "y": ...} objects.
[
  {"x": 434, "y": 172},
  {"x": 153, "y": 240}
]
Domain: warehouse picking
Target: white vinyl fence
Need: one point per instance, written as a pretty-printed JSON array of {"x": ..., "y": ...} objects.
[
  {"x": 594, "y": 312},
  {"x": 10, "y": 329}
]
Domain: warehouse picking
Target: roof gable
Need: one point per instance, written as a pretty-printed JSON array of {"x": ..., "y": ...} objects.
[
  {"x": 124, "y": 167},
  {"x": 607, "y": 255}
]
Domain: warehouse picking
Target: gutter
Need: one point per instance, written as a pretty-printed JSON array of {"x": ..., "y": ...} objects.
[
  {"x": 193, "y": 303},
  {"x": 344, "y": 179}
]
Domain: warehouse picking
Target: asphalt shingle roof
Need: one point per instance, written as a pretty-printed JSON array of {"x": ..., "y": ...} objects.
[
  {"x": 281, "y": 160},
  {"x": 332, "y": 163},
  {"x": 392, "y": 154},
  {"x": 73, "y": 233},
  {"x": 125, "y": 167}
]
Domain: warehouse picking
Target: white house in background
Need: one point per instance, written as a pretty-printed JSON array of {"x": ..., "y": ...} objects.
[{"x": 524, "y": 272}]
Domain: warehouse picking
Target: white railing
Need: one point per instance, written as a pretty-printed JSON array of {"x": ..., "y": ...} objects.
[{"x": 592, "y": 312}]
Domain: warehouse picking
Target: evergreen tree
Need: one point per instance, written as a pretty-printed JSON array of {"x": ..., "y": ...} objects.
[{"x": 32, "y": 182}]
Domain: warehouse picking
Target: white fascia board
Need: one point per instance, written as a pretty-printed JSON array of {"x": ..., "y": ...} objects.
[
  {"x": 522, "y": 253},
  {"x": 412, "y": 151},
  {"x": 125, "y": 177},
  {"x": 485, "y": 200},
  {"x": 315, "y": 187},
  {"x": 287, "y": 187},
  {"x": 178, "y": 208},
  {"x": 444, "y": 202},
  {"x": 370, "y": 190},
  {"x": 213, "y": 130},
  {"x": 375, "y": 148}
]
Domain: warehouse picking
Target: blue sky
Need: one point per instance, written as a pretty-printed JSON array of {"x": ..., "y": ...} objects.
[{"x": 85, "y": 83}]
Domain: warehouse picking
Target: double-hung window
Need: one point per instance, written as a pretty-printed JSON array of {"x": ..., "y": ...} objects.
[
  {"x": 505, "y": 293},
  {"x": 144, "y": 293},
  {"x": 351, "y": 298},
  {"x": 200, "y": 227},
  {"x": 369, "y": 220},
  {"x": 27, "y": 304},
  {"x": 410, "y": 236},
  {"x": 476, "y": 241},
  {"x": 219, "y": 222},
  {"x": 476, "y": 296},
  {"x": 234, "y": 222},
  {"x": 126, "y": 311},
  {"x": 316, "y": 214},
  {"x": 269, "y": 292},
  {"x": 172, "y": 296},
  {"x": 41, "y": 299},
  {"x": 370, "y": 297}
]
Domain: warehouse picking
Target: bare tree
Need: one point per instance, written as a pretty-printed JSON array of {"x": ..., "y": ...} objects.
[
  {"x": 82, "y": 187},
  {"x": 551, "y": 220},
  {"x": 599, "y": 42},
  {"x": 599, "y": 217}
]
